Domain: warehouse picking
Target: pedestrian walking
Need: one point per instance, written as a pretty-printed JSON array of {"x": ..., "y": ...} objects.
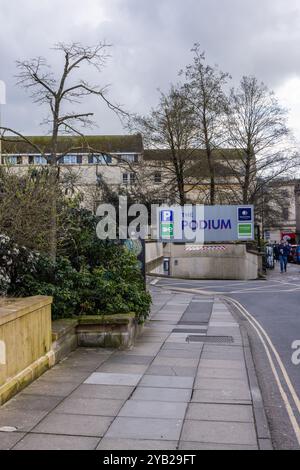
[
  {"x": 284, "y": 252},
  {"x": 276, "y": 252}
]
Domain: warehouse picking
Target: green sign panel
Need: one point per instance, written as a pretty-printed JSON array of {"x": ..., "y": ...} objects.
[
  {"x": 167, "y": 229},
  {"x": 245, "y": 231}
]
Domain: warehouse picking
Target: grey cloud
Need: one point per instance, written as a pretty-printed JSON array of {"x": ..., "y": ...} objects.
[{"x": 152, "y": 41}]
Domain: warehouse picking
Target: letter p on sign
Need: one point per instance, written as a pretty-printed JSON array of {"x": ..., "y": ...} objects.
[
  {"x": 166, "y": 216},
  {"x": 2, "y": 92}
]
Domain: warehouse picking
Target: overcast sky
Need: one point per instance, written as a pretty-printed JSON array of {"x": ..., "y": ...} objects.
[{"x": 151, "y": 43}]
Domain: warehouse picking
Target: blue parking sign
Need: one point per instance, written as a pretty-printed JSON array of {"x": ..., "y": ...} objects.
[{"x": 167, "y": 216}]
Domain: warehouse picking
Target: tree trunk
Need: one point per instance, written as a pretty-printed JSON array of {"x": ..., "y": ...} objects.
[{"x": 212, "y": 192}]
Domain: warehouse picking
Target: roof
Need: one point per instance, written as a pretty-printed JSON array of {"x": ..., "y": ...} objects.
[
  {"x": 201, "y": 169},
  {"x": 198, "y": 164},
  {"x": 166, "y": 155},
  {"x": 78, "y": 144}
]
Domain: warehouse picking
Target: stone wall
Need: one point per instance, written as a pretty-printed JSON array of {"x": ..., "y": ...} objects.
[
  {"x": 154, "y": 257},
  {"x": 226, "y": 261},
  {"x": 25, "y": 342}
]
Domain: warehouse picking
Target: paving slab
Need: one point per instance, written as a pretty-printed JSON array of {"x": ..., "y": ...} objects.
[
  {"x": 208, "y": 373},
  {"x": 153, "y": 409},
  {"x": 219, "y": 432},
  {"x": 175, "y": 361},
  {"x": 90, "y": 406},
  {"x": 162, "y": 394},
  {"x": 66, "y": 375},
  {"x": 219, "y": 412},
  {"x": 172, "y": 370},
  {"x": 136, "y": 444},
  {"x": 50, "y": 388},
  {"x": 9, "y": 439},
  {"x": 144, "y": 350},
  {"x": 113, "y": 392},
  {"x": 20, "y": 419},
  {"x": 145, "y": 428},
  {"x": 166, "y": 381},
  {"x": 50, "y": 442},
  {"x": 221, "y": 396},
  {"x": 121, "y": 358},
  {"x": 238, "y": 388},
  {"x": 99, "y": 378},
  {"x": 33, "y": 403},
  {"x": 200, "y": 446},
  {"x": 74, "y": 425},
  {"x": 182, "y": 346},
  {"x": 222, "y": 364},
  {"x": 121, "y": 368},
  {"x": 180, "y": 353}
]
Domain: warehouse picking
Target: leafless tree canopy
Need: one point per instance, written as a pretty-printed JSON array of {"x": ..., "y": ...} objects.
[
  {"x": 171, "y": 126},
  {"x": 204, "y": 86},
  {"x": 256, "y": 123},
  {"x": 65, "y": 91}
]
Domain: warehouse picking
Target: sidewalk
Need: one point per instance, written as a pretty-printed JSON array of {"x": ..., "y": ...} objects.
[{"x": 166, "y": 393}]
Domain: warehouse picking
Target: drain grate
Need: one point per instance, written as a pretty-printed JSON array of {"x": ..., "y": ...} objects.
[{"x": 209, "y": 339}]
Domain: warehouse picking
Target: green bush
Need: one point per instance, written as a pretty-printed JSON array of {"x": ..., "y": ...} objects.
[{"x": 112, "y": 283}]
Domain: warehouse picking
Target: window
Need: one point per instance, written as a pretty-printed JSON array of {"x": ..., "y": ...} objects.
[
  {"x": 130, "y": 157},
  {"x": 37, "y": 160},
  {"x": 129, "y": 178},
  {"x": 71, "y": 160},
  {"x": 101, "y": 159},
  {"x": 14, "y": 160},
  {"x": 285, "y": 213},
  {"x": 157, "y": 177}
]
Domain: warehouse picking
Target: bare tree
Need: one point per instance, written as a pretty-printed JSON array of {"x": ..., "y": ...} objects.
[
  {"x": 170, "y": 127},
  {"x": 272, "y": 203},
  {"x": 204, "y": 91},
  {"x": 60, "y": 93},
  {"x": 256, "y": 124}
]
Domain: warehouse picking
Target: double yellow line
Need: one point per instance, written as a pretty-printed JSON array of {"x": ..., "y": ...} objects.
[{"x": 269, "y": 346}]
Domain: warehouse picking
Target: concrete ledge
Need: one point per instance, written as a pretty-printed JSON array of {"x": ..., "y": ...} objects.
[
  {"x": 97, "y": 331},
  {"x": 64, "y": 338},
  {"x": 111, "y": 331},
  {"x": 24, "y": 378}
]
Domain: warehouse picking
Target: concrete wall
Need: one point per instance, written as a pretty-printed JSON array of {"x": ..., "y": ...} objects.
[
  {"x": 154, "y": 257},
  {"x": 212, "y": 262},
  {"x": 25, "y": 342}
]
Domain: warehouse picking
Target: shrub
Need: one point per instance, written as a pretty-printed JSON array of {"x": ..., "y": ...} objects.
[{"x": 111, "y": 283}]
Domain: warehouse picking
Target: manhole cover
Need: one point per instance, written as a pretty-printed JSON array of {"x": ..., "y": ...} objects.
[{"x": 209, "y": 339}]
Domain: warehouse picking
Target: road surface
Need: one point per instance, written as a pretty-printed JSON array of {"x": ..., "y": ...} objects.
[{"x": 275, "y": 305}]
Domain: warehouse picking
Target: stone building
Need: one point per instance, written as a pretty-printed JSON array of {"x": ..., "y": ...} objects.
[{"x": 122, "y": 163}]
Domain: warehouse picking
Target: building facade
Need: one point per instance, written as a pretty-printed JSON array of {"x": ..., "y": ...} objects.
[{"x": 121, "y": 163}]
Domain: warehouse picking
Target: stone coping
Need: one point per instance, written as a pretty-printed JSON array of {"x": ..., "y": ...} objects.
[
  {"x": 13, "y": 308},
  {"x": 63, "y": 326},
  {"x": 113, "y": 319}
]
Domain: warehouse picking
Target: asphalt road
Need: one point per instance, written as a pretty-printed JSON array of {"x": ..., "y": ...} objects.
[{"x": 275, "y": 304}]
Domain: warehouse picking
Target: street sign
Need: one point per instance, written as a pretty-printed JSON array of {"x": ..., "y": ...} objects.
[
  {"x": 200, "y": 224},
  {"x": 245, "y": 231}
]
